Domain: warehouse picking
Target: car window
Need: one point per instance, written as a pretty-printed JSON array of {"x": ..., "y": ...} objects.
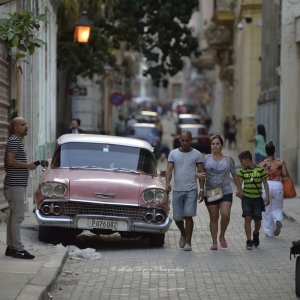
[
  {"x": 143, "y": 131},
  {"x": 104, "y": 156},
  {"x": 197, "y": 131},
  {"x": 146, "y": 119},
  {"x": 189, "y": 121}
]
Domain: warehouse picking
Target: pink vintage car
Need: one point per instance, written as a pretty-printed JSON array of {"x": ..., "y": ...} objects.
[{"x": 104, "y": 184}]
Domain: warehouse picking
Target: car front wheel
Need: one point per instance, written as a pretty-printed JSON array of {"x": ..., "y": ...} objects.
[
  {"x": 157, "y": 240},
  {"x": 45, "y": 234}
]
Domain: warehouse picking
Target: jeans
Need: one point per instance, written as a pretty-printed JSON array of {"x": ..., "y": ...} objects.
[{"x": 15, "y": 196}]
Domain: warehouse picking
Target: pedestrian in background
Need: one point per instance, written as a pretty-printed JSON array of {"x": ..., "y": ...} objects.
[
  {"x": 232, "y": 132},
  {"x": 226, "y": 125},
  {"x": 253, "y": 176},
  {"x": 184, "y": 161},
  {"x": 16, "y": 169},
  {"x": 132, "y": 120},
  {"x": 260, "y": 141},
  {"x": 276, "y": 170},
  {"x": 74, "y": 127},
  {"x": 218, "y": 167},
  {"x": 120, "y": 126}
]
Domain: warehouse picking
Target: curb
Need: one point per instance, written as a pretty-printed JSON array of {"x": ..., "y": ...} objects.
[{"x": 43, "y": 282}]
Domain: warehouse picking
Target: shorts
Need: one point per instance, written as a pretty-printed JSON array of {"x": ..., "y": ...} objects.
[
  {"x": 184, "y": 204},
  {"x": 252, "y": 207},
  {"x": 226, "y": 198}
]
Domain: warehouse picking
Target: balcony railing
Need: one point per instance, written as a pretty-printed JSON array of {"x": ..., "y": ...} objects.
[{"x": 224, "y": 5}]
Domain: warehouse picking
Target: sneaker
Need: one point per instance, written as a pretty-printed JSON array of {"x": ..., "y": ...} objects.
[
  {"x": 214, "y": 247},
  {"x": 23, "y": 255},
  {"x": 182, "y": 241},
  {"x": 249, "y": 245},
  {"x": 223, "y": 244},
  {"x": 187, "y": 247},
  {"x": 278, "y": 228},
  {"x": 10, "y": 251},
  {"x": 255, "y": 239}
]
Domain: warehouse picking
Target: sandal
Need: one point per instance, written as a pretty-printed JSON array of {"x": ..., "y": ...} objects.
[
  {"x": 223, "y": 244},
  {"x": 214, "y": 247}
]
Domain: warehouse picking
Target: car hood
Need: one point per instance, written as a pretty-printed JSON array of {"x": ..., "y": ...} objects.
[{"x": 104, "y": 186}]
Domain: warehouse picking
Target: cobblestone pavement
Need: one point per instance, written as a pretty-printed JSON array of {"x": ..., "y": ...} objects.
[{"x": 129, "y": 269}]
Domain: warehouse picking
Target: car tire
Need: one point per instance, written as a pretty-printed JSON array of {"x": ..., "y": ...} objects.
[
  {"x": 157, "y": 240},
  {"x": 45, "y": 233}
]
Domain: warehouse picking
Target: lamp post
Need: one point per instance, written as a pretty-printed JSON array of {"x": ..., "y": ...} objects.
[{"x": 82, "y": 29}]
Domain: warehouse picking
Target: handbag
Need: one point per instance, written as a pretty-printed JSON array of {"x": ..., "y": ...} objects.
[
  {"x": 289, "y": 188},
  {"x": 216, "y": 193}
]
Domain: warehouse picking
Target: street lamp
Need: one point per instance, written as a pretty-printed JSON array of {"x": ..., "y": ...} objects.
[{"x": 82, "y": 29}]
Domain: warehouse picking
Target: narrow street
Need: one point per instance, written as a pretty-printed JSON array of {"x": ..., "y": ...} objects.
[{"x": 130, "y": 269}]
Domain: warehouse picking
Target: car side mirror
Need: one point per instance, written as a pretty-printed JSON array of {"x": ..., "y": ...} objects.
[{"x": 45, "y": 163}]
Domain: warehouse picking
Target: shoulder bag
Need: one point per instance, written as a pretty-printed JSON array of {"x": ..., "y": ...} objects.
[
  {"x": 289, "y": 188},
  {"x": 216, "y": 193}
]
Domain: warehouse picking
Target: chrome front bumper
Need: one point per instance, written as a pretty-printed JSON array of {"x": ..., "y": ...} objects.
[{"x": 73, "y": 222}]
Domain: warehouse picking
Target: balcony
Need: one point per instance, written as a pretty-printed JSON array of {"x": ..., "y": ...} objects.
[{"x": 224, "y": 12}]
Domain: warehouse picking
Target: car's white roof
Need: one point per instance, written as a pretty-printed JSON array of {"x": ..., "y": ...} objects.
[
  {"x": 149, "y": 113},
  {"x": 97, "y": 138},
  {"x": 188, "y": 116},
  {"x": 143, "y": 125}
]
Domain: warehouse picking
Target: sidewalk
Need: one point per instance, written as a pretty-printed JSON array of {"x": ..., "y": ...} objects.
[
  {"x": 291, "y": 207},
  {"x": 29, "y": 279}
]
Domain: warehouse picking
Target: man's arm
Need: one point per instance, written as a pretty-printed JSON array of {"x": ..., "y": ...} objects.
[
  {"x": 266, "y": 186},
  {"x": 200, "y": 169},
  {"x": 170, "y": 167},
  {"x": 11, "y": 161}
]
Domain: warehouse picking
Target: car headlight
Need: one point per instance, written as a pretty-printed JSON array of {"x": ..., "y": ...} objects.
[
  {"x": 154, "y": 195},
  {"x": 54, "y": 189},
  {"x": 148, "y": 196}
]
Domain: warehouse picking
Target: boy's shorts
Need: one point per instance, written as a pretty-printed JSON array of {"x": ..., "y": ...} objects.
[
  {"x": 184, "y": 204},
  {"x": 252, "y": 207}
]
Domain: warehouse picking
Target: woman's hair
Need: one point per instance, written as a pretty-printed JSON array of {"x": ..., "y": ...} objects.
[
  {"x": 270, "y": 148},
  {"x": 262, "y": 131},
  {"x": 217, "y": 137}
]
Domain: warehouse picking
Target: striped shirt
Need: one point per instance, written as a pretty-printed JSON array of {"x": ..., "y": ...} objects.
[
  {"x": 15, "y": 176},
  {"x": 252, "y": 181}
]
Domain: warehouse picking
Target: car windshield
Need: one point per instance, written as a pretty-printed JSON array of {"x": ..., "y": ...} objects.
[
  {"x": 189, "y": 121},
  {"x": 142, "y": 131},
  {"x": 196, "y": 131},
  {"x": 106, "y": 156},
  {"x": 146, "y": 119}
]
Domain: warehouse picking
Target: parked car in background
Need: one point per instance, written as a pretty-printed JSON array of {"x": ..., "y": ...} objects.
[
  {"x": 104, "y": 184},
  {"x": 201, "y": 138},
  {"x": 147, "y": 117},
  {"x": 187, "y": 119},
  {"x": 144, "y": 131}
]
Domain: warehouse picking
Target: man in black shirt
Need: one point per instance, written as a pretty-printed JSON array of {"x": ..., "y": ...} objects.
[{"x": 15, "y": 183}]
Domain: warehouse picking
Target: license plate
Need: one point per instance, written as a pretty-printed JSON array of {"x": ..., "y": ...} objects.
[{"x": 103, "y": 224}]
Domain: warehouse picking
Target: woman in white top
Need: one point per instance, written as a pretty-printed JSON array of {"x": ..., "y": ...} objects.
[{"x": 217, "y": 174}]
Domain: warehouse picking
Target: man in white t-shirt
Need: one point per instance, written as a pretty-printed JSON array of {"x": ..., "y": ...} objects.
[{"x": 185, "y": 161}]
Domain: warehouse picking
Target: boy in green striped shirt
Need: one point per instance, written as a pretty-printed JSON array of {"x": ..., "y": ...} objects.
[{"x": 252, "y": 203}]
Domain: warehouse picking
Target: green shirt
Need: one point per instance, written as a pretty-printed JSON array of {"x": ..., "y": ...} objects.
[
  {"x": 252, "y": 181},
  {"x": 260, "y": 145}
]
